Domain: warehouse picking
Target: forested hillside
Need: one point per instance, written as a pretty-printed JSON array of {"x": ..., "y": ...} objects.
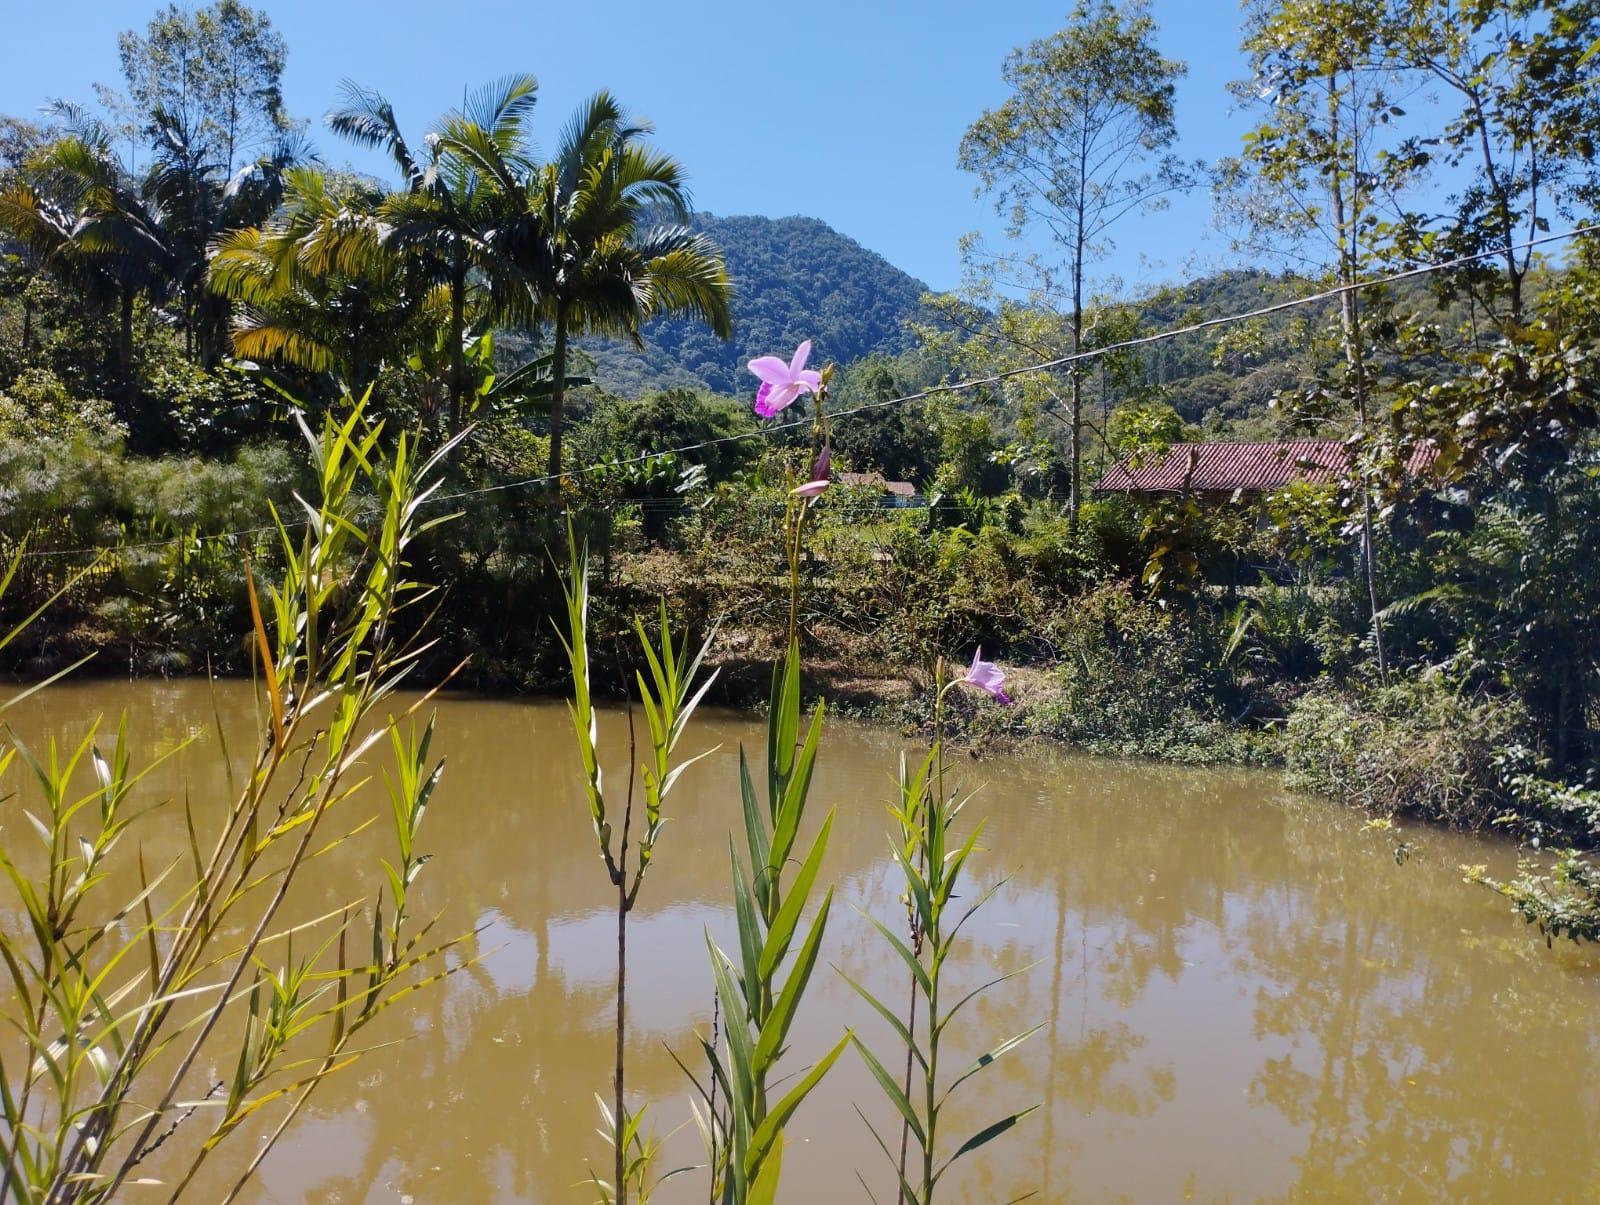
[{"x": 794, "y": 278}]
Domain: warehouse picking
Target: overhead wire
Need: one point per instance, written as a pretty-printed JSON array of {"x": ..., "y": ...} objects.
[{"x": 953, "y": 387}]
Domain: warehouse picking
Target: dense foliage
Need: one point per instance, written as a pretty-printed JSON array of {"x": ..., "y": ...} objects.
[
  {"x": 793, "y": 278},
  {"x": 1410, "y": 641}
]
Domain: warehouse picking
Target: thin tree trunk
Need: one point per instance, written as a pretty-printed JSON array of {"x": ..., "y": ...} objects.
[
  {"x": 27, "y": 325},
  {"x": 1502, "y": 204},
  {"x": 1344, "y": 223},
  {"x": 458, "y": 334},
  {"x": 1075, "y": 497},
  {"x": 130, "y": 386},
  {"x": 558, "y": 402},
  {"x": 619, "y": 1122},
  {"x": 624, "y": 906}
]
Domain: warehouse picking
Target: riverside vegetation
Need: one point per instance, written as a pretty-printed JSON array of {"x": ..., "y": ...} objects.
[{"x": 1422, "y": 644}]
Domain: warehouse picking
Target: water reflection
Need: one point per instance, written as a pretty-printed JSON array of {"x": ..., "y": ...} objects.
[{"x": 1245, "y": 997}]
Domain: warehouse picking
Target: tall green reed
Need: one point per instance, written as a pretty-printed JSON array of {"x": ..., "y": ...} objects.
[
  {"x": 668, "y": 693},
  {"x": 932, "y": 862},
  {"x": 760, "y": 988},
  {"x": 759, "y": 1001},
  {"x": 122, "y": 1001}
]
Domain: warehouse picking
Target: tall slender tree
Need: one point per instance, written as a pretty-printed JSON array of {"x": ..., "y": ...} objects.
[
  {"x": 1083, "y": 141},
  {"x": 595, "y": 258},
  {"x": 450, "y": 217},
  {"x": 1321, "y": 174},
  {"x": 213, "y": 75}
]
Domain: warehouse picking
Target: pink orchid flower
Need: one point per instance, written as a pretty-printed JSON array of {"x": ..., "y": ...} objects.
[
  {"x": 782, "y": 384},
  {"x": 820, "y": 476},
  {"x": 987, "y": 676}
]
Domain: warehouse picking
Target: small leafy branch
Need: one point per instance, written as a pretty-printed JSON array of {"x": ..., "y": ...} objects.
[
  {"x": 639, "y": 1154},
  {"x": 1563, "y": 901},
  {"x": 119, "y": 1001}
]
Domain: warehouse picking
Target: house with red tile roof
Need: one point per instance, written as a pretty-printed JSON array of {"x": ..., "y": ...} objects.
[
  {"x": 1221, "y": 467},
  {"x": 898, "y": 493}
]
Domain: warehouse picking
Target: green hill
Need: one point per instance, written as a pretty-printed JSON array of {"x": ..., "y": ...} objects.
[{"x": 795, "y": 278}]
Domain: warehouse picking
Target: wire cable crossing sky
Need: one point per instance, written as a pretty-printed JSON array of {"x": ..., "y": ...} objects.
[{"x": 962, "y": 386}]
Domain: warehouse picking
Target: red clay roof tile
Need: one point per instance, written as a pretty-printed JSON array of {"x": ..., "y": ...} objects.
[{"x": 1225, "y": 467}]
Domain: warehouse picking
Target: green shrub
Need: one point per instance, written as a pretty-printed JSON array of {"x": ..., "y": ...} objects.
[
  {"x": 1136, "y": 678},
  {"x": 38, "y": 405},
  {"x": 1418, "y": 746},
  {"x": 208, "y": 410},
  {"x": 166, "y": 591},
  {"x": 1563, "y": 901}
]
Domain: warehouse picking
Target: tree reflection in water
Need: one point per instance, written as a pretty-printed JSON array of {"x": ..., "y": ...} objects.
[{"x": 1246, "y": 998}]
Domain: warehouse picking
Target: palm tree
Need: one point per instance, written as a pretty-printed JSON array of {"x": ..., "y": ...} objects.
[
  {"x": 82, "y": 215},
  {"x": 201, "y": 204},
  {"x": 112, "y": 239},
  {"x": 316, "y": 288},
  {"x": 588, "y": 256},
  {"x": 456, "y": 199}
]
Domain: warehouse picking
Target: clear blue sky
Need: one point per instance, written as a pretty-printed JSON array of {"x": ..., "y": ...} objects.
[{"x": 846, "y": 110}]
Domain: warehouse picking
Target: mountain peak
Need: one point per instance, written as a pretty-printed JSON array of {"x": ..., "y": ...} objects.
[{"x": 794, "y": 278}]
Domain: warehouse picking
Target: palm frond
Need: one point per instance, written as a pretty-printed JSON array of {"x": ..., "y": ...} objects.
[
  {"x": 367, "y": 119},
  {"x": 261, "y": 335},
  {"x": 502, "y": 107},
  {"x": 483, "y": 154},
  {"x": 691, "y": 279},
  {"x": 651, "y": 177},
  {"x": 584, "y": 135}
]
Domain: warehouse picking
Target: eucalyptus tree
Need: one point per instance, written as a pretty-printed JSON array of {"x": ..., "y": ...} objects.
[
  {"x": 1083, "y": 141},
  {"x": 593, "y": 259},
  {"x": 212, "y": 76},
  {"x": 448, "y": 221},
  {"x": 1523, "y": 130},
  {"x": 1322, "y": 173}
]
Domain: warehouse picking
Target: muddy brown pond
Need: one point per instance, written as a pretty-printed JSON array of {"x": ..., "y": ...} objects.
[{"x": 1244, "y": 996}]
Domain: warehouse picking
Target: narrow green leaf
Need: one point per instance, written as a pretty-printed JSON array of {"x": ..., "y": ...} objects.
[
  {"x": 775, "y": 1030},
  {"x": 888, "y": 1014},
  {"x": 771, "y": 1128},
  {"x": 764, "y": 1187},
  {"x": 988, "y": 1134},
  {"x": 892, "y": 1090},
  {"x": 918, "y": 971},
  {"x": 984, "y": 1060},
  {"x": 783, "y": 924}
]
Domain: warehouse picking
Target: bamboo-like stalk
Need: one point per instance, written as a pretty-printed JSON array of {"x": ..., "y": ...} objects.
[
  {"x": 330, "y": 620},
  {"x": 624, "y": 906},
  {"x": 758, "y": 1005},
  {"x": 932, "y": 865},
  {"x": 669, "y": 691}
]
